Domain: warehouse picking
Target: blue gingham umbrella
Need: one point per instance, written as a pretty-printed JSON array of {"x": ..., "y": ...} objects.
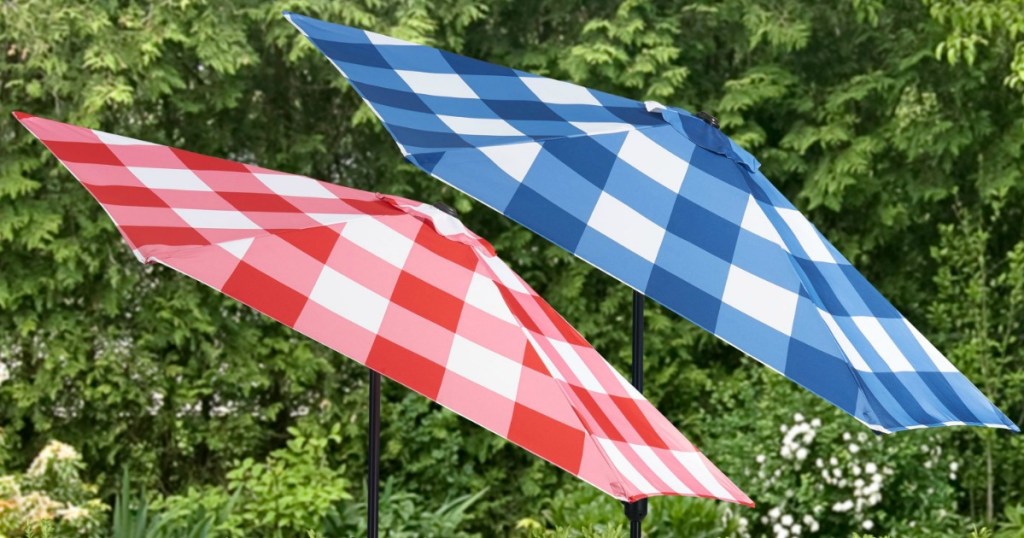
[{"x": 670, "y": 206}]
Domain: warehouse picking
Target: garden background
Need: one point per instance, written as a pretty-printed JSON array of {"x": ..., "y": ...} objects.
[{"x": 897, "y": 126}]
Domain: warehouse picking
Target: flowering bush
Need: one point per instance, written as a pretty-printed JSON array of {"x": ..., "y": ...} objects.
[
  {"x": 50, "y": 495},
  {"x": 826, "y": 481}
]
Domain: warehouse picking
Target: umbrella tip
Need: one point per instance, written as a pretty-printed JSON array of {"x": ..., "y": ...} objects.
[
  {"x": 21, "y": 115},
  {"x": 708, "y": 119},
  {"x": 447, "y": 209}
]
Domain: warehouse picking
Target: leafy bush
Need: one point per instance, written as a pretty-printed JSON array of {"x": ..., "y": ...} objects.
[
  {"x": 581, "y": 511},
  {"x": 1013, "y": 526},
  {"x": 50, "y": 497},
  {"x": 406, "y": 515},
  {"x": 134, "y": 519},
  {"x": 290, "y": 493}
]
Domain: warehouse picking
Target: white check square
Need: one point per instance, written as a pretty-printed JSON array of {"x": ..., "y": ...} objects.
[
  {"x": 289, "y": 185},
  {"x": 169, "y": 179},
  {"x": 349, "y": 299},
  {"x": 760, "y": 299},
  {"x": 627, "y": 227},
  {"x": 437, "y": 84},
  {"x": 490, "y": 370}
]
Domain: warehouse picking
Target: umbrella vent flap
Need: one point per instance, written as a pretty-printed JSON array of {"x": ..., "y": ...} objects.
[
  {"x": 704, "y": 134},
  {"x": 442, "y": 222}
]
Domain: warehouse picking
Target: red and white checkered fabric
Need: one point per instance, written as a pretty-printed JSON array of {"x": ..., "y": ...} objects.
[{"x": 398, "y": 286}]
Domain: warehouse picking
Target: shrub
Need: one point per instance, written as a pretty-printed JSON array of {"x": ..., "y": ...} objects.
[{"x": 50, "y": 498}]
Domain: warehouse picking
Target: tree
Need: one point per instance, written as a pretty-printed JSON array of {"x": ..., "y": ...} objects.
[{"x": 896, "y": 126}]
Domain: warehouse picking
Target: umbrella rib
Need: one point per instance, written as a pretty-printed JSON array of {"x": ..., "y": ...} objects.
[
  {"x": 532, "y": 140},
  {"x": 172, "y": 252},
  {"x": 805, "y": 282},
  {"x": 367, "y": 101},
  {"x": 532, "y": 341}
]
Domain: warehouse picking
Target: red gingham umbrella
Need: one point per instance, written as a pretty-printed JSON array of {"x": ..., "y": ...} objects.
[{"x": 398, "y": 286}]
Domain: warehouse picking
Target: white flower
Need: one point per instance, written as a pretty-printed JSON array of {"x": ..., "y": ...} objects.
[
  {"x": 868, "y": 524},
  {"x": 760, "y": 458},
  {"x": 954, "y": 466},
  {"x": 5, "y": 374},
  {"x": 780, "y": 532},
  {"x": 801, "y": 453},
  {"x": 871, "y": 468},
  {"x": 54, "y": 451},
  {"x": 854, "y": 448},
  {"x": 808, "y": 519},
  {"x": 833, "y": 461},
  {"x": 787, "y": 520},
  {"x": 816, "y": 422},
  {"x": 774, "y": 513},
  {"x": 846, "y": 436},
  {"x": 9, "y": 487},
  {"x": 38, "y": 506},
  {"x": 72, "y": 513},
  {"x": 797, "y": 530},
  {"x": 856, "y": 470},
  {"x": 798, "y": 417},
  {"x": 844, "y": 506},
  {"x": 818, "y": 463}
]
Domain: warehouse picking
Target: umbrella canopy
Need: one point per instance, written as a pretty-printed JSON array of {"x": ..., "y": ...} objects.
[
  {"x": 670, "y": 206},
  {"x": 398, "y": 286}
]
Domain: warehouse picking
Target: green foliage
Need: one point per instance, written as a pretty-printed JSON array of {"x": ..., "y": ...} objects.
[
  {"x": 819, "y": 475},
  {"x": 1013, "y": 527},
  {"x": 50, "y": 499},
  {"x": 292, "y": 491},
  {"x": 580, "y": 511},
  {"x": 134, "y": 519},
  {"x": 406, "y": 515},
  {"x": 979, "y": 313},
  {"x": 895, "y": 125}
]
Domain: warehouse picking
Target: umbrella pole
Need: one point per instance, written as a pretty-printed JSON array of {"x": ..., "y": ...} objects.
[
  {"x": 636, "y": 511},
  {"x": 373, "y": 458}
]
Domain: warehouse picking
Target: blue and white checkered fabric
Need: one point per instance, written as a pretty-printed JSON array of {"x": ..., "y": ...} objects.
[{"x": 667, "y": 205}]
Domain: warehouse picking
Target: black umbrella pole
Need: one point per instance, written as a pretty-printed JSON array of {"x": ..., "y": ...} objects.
[
  {"x": 373, "y": 458},
  {"x": 636, "y": 511}
]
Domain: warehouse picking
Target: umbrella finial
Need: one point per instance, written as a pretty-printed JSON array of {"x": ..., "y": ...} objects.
[
  {"x": 447, "y": 209},
  {"x": 708, "y": 119}
]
